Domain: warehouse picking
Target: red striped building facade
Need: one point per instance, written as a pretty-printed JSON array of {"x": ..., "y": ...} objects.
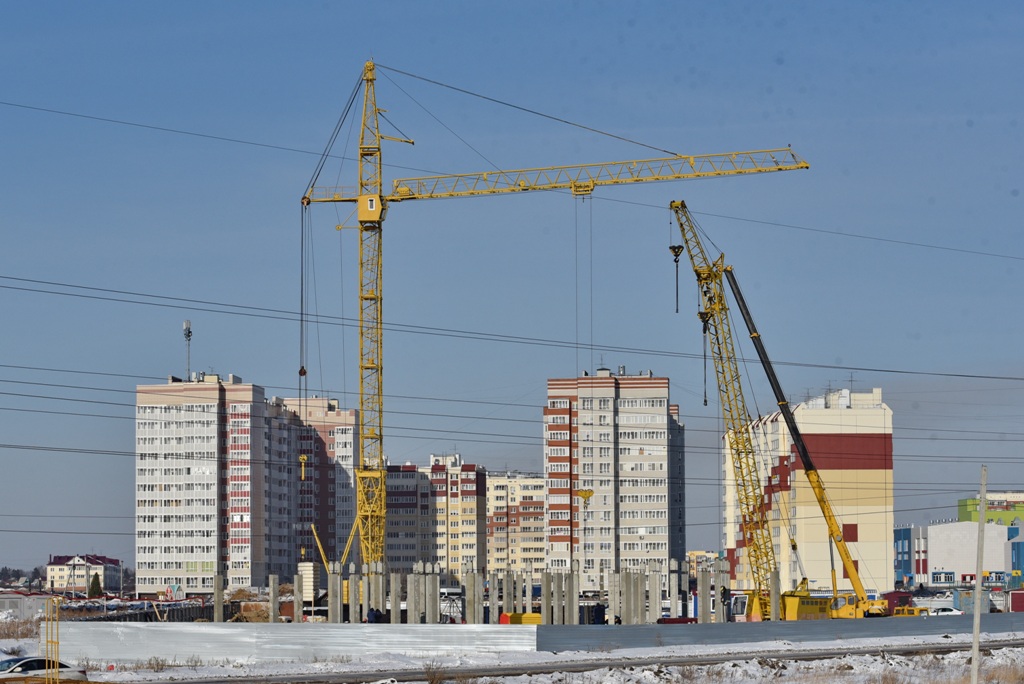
[{"x": 613, "y": 463}]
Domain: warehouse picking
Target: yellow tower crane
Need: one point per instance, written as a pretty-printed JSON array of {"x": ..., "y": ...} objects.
[{"x": 371, "y": 209}]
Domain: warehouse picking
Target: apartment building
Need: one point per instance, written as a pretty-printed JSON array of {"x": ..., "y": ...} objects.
[
  {"x": 515, "y": 522},
  {"x": 228, "y": 482},
  {"x": 613, "y": 463},
  {"x": 458, "y": 509},
  {"x": 327, "y": 452},
  {"x": 74, "y": 574},
  {"x": 849, "y": 437},
  {"x": 437, "y": 514},
  {"x": 410, "y": 536}
]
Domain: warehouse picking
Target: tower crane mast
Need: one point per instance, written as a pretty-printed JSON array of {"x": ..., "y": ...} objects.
[{"x": 371, "y": 209}]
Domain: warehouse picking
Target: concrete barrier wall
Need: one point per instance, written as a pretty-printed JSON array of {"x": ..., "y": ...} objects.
[
  {"x": 210, "y": 642},
  {"x": 609, "y": 638},
  {"x": 207, "y": 642}
]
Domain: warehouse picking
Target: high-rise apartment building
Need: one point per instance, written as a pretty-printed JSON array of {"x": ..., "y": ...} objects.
[
  {"x": 437, "y": 514},
  {"x": 849, "y": 439},
  {"x": 327, "y": 441},
  {"x": 515, "y": 522},
  {"x": 410, "y": 535},
  {"x": 613, "y": 462},
  {"x": 222, "y": 487},
  {"x": 459, "y": 511}
]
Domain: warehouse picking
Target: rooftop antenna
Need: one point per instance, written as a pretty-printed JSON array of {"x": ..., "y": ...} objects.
[{"x": 187, "y": 327}]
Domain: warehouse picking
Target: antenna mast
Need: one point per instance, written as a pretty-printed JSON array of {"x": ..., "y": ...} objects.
[{"x": 187, "y": 327}]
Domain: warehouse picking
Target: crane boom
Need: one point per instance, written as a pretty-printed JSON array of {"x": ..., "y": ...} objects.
[
  {"x": 749, "y": 492},
  {"x": 864, "y": 605},
  {"x": 371, "y": 209}
]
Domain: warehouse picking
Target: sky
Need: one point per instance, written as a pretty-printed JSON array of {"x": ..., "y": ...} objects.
[{"x": 153, "y": 157}]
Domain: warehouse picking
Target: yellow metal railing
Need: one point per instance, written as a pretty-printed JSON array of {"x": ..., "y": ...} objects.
[{"x": 52, "y": 626}]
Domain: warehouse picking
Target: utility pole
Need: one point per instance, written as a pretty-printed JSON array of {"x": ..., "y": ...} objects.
[{"x": 982, "y": 514}]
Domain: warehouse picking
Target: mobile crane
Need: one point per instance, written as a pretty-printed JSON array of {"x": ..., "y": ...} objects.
[
  {"x": 371, "y": 210},
  {"x": 714, "y": 316}
]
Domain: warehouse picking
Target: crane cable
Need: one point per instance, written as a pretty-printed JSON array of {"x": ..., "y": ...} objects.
[
  {"x": 528, "y": 111},
  {"x": 332, "y": 139}
]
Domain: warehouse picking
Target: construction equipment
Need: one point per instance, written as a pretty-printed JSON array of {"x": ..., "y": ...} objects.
[
  {"x": 715, "y": 319},
  {"x": 323, "y": 556},
  {"x": 371, "y": 210}
]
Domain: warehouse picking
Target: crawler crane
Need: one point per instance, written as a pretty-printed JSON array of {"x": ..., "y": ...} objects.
[
  {"x": 714, "y": 316},
  {"x": 372, "y": 202}
]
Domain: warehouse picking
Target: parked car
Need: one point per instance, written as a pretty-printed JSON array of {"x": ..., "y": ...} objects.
[
  {"x": 946, "y": 610},
  {"x": 20, "y": 669}
]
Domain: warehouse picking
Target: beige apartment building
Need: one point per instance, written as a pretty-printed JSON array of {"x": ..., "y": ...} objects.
[
  {"x": 229, "y": 482},
  {"x": 437, "y": 514},
  {"x": 613, "y": 462},
  {"x": 849, "y": 438},
  {"x": 73, "y": 574},
  {"x": 459, "y": 509},
  {"x": 515, "y": 522}
]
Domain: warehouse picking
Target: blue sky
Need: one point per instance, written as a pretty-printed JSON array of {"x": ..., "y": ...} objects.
[{"x": 894, "y": 262}]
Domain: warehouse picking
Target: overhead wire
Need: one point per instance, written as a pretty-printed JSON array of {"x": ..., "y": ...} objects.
[
  {"x": 179, "y": 131},
  {"x": 935, "y": 488},
  {"x": 930, "y": 435},
  {"x": 188, "y": 304}
]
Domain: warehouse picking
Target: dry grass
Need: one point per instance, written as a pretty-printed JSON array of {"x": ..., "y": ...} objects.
[
  {"x": 1001, "y": 674},
  {"x": 434, "y": 673},
  {"x": 19, "y": 629}
]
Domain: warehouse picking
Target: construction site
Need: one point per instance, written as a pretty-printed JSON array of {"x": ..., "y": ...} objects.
[
  {"x": 565, "y": 328},
  {"x": 371, "y": 200}
]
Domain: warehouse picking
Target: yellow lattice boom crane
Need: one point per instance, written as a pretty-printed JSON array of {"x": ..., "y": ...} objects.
[
  {"x": 371, "y": 209},
  {"x": 753, "y": 517},
  {"x": 715, "y": 318}
]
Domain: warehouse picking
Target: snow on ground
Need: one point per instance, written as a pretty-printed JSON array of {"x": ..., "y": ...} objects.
[{"x": 774, "y": 661}]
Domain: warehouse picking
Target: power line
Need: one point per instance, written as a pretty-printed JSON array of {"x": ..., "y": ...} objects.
[
  {"x": 291, "y": 316},
  {"x": 239, "y": 141}
]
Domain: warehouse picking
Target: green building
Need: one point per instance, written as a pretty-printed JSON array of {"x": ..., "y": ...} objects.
[{"x": 1003, "y": 508}]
